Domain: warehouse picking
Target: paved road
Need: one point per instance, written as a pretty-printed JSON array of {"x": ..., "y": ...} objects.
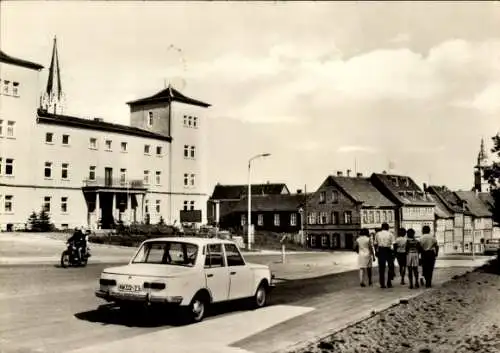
[{"x": 44, "y": 308}]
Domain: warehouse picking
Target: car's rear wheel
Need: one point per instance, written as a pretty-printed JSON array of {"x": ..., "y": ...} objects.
[
  {"x": 197, "y": 309},
  {"x": 260, "y": 297}
]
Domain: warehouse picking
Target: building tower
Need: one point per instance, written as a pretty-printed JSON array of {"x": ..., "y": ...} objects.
[
  {"x": 53, "y": 97},
  {"x": 480, "y": 184}
]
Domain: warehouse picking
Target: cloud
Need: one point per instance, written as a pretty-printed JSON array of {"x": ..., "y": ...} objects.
[
  {"x": 486, "y": 101},
  {"x": 401, "y": 38},
  {"x": 355, "y": 148}
]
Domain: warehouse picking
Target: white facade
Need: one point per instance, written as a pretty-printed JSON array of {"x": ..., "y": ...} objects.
[
  {"x": 46, "y": 160},
  {"x": 416, "y": 217}
]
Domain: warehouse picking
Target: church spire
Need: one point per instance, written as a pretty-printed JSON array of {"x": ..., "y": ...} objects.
[
  {"x": 53, "y": 96},
  {"x": 482, "y": 157}
]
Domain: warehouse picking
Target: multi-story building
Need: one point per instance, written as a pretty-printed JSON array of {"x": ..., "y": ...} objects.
[
  {"x": 414, "y": 208},
  {"x": 341, "y": 207},
  {"x": 450, "y": 219},
  {"x": 95, "y": 173}
]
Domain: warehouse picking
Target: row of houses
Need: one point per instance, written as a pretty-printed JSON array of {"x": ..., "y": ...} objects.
[{"x": 332, "y": 216}]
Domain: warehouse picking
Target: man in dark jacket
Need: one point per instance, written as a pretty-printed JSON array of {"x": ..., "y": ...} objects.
[
  {"x": 79, "y": 241},
  {"x": 430, "y": 250}
]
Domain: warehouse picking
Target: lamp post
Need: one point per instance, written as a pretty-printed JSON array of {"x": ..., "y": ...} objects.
[{"x": 249, "y": 219}]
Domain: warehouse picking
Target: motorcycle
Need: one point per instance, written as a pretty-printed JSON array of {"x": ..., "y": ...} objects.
[{"x": 70, "y": 256}]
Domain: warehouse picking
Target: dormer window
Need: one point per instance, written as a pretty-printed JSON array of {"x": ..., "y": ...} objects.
[
  {"x": 407, "y": 181},
  {"x": 402, "y": 193},
  {"x": 395, "y": 181},
  {"x": 150, "y": 119}
]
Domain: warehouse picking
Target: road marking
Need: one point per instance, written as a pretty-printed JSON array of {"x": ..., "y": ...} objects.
[{"x": 208, "y": 336}]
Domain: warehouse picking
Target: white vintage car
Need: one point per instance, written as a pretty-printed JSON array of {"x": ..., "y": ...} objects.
[{"x": 188, "y": 273}]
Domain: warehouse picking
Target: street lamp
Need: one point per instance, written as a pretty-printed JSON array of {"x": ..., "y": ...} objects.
[{"x": 249, "y": 219}]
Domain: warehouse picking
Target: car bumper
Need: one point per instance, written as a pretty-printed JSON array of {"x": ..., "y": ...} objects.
[{"x": 137, "y": 297}]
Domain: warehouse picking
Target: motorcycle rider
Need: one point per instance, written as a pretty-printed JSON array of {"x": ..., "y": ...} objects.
[{"x": 78, "y": 239}]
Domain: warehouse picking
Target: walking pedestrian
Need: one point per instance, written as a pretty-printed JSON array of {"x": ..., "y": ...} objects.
[
  {"x": 384, "y": 241},
  {"x": 430, "y": 250},
  {"x": 400, "y": 252},
  {"x": 364, "y": 248},
  {"x": 413, "y": 250}
]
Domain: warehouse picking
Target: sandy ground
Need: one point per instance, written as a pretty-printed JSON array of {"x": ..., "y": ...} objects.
[{"x": 461, "y": 316}]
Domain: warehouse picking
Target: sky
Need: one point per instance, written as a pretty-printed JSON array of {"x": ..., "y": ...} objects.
[{"x": 322, "y": 86}]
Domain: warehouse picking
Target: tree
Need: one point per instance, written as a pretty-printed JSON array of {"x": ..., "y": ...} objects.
[
  {"x": 44, "y": 221},
  {"x": 161, "y": 221},
  {"x": 33, "y": 222},
  {"x": 492, "y": 175}
]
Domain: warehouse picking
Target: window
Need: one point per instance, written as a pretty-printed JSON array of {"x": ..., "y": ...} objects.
[
  {"x": 147, "y": 149},
  {"x": 311, "y": 218},
  {"x": 48, "y": 137},
  {"x": 64, "y": 171},
  {"x": 322, "y": 197},
  {"x": 383, "y": 216},
  {"x": 146, "y": 206},
  {"x": 335, "y": 218},
  {"x": 347, "y": 217},
  {"x": 260, "y": 220},
  {"x": 46, "y": 203},
  {"x": 124, "y": 146},
  {"x": 193, "y": 150},
  {"x": 185, "y": 120},
  {"x": 92, "y": 172},
  {"x": 191, "y": 205},
  {"x": 324, "y": 241},
  {"x": 371, "y": 217},
  {"x": 192, "y": 180},
  {"x": 158, "y": 178},
  {"x": 293, "y": 219},
  {"x": 108, "y": 145},
  {"x": 158, "y": 150},
  {"x": 48, "y": 169},
  {"x": 150, "y": 119},
  {"x": 123, "y": 176},
  {"x": 65, "y": 139},
  {"x": 365, "y": 216},
  {"x": 9, "y": 166},
  {"x": 185, "y": 205},
  {"x": 190, "y": 121},
  {"x": 146, "y": 177},
  {"x": 64, "y": 204},
  {"x": 243, "y": 220},
  {"x": 6, "y": 85},
  {"x": 186, "y": 151},
  {"x": 215, "y": 256},
  {"x": 377, "y": 216},
  {"x": 15, "y": 89},
  {"x": 158, "y": 203},
  {"x": 233, "y": 255},
  {"x": 93, "y": 143},
  {"x": 276, "y": 220},
  {"x": 335, "y": 196},
  {"x": 10, "y": 128},
  {"x": 323, "y": 219},
  {"x": 8, "y": 203},
  {"x": 195, "y": 121}
]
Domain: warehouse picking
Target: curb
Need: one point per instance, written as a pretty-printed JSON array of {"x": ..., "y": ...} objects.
[{"x": 375, "y": 311}]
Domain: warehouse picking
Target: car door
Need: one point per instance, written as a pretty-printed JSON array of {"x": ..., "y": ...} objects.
[
  {"x": 240, "y": 275},
  {"x": 216, "y": 272}
]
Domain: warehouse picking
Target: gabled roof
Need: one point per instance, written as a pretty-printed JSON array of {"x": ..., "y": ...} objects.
[
  {"x": 362, "y": 190},
  {"x": 440, "y": 209},
  {"x": 272, "y": 203},
  {"x": 64, "y": 120},
  {"x": 474, "y": 204},
  {"x": 234, "y": 192},
  {"x": 4, "y": 58},
  {"x": 447, "y": 197},
  {"x": 169, "y": 94},
  {"x": 402, "y": 188}
]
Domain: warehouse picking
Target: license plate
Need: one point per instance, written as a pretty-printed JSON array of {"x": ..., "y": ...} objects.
[{"x": 130, "y": 287}]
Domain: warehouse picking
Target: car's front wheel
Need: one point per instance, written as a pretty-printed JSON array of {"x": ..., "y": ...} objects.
[{"x": 260, "y": 297}]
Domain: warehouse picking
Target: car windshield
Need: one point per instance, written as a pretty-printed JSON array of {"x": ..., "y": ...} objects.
[{"x": 167, "y": 253}]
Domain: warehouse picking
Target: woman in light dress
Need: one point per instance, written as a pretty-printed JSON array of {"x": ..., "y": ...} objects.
[
  {"x": 366, "y": 254},
  {"x": 413, "y": 250}
]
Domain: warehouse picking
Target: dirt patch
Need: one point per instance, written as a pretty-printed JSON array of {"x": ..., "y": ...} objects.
[{"x": 461, "y": 316}]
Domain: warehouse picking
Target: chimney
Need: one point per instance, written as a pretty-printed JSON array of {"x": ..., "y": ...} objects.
[
  {"x": 359, "y": 175},
  {"x": 339, "y": 173},
  {"x": 348, "y": 172},
  {"x": 299, "y": 191},
  {"x": 425, "y": 187},
  {"x": 384, "y": 172}
]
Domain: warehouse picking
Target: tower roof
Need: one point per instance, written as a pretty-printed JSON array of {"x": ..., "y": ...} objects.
[
  {"x": 169, "y": 94},
  {"x": 482, "y": 156},
  {"x": 54, "y": 80}
]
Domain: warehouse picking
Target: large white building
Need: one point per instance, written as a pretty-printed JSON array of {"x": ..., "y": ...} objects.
[{"x": 88, "y": 172}]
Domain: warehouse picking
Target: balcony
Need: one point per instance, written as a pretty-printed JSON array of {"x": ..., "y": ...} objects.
[{"x": 120, "y": 183}]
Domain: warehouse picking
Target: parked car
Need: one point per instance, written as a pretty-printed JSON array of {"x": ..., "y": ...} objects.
[
  {"x": 491, "y": 246},
  {"x": 186, "y": 273}
]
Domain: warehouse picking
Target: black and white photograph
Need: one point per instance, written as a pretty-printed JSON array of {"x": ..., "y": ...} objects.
[{"x": 249, "y": 176}]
